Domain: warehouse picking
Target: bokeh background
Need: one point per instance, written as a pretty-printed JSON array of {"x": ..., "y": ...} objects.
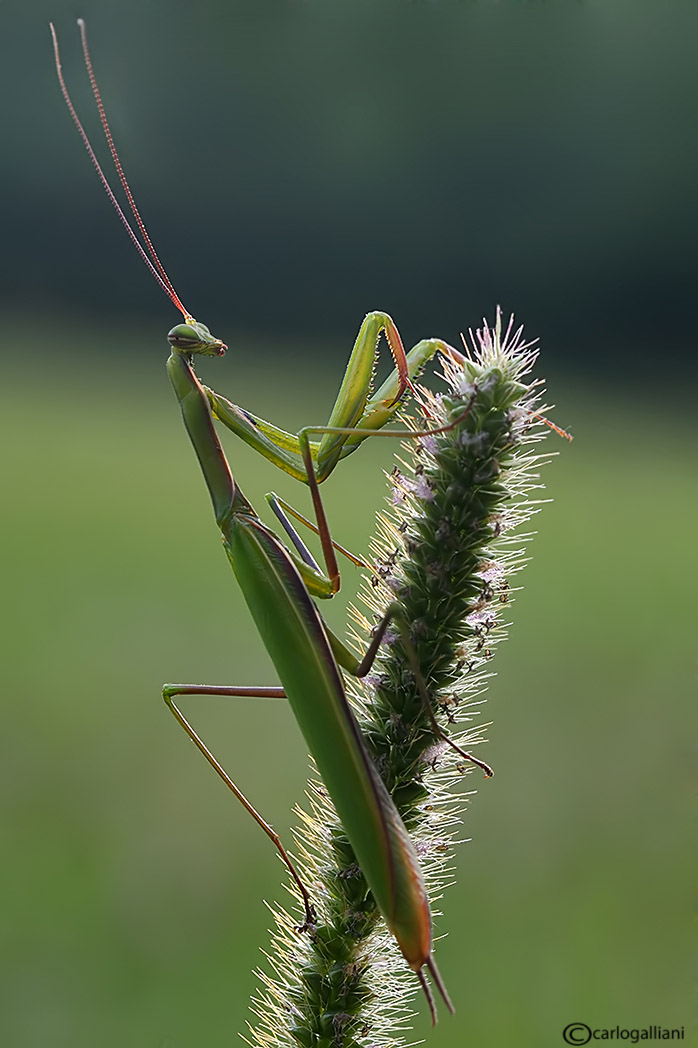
[{"x": 299, "y": 164}]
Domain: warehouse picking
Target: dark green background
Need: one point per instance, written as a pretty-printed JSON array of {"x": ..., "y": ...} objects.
[{"x": 298, "y": 164}]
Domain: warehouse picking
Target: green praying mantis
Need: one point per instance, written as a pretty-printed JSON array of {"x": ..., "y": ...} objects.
[{"x": 280, "y": 584}]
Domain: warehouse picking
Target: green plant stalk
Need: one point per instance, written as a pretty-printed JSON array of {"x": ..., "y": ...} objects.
[{"x": 445, "y": 553}]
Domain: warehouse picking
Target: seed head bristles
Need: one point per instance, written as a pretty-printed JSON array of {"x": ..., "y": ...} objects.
[{"x": 446, "y": 554}]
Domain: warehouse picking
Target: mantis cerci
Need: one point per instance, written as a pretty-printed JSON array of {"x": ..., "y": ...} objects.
[{"x": 279, "y": 585}]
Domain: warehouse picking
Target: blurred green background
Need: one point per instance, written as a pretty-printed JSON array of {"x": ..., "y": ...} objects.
[{"x": 299, "y": 164}]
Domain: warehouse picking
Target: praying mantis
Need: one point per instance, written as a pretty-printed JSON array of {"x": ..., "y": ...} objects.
[{"x": 279, "y": 584}]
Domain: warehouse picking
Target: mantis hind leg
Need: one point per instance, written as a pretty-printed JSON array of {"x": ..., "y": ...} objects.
[
  {"x": 402, "y": 625},
  {"x": 169, "y": 692},
  {"x": 360, "y": 667},
  {"x": 394, "y": 614}
]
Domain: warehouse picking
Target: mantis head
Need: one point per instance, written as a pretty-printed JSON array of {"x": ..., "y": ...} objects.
[{"x": 193, "y": 337}]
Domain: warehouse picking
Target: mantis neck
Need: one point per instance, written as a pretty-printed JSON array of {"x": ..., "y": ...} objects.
[{"x": 226, "y": 497}]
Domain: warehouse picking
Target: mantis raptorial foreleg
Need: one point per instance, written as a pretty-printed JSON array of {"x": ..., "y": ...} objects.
[
  {"x": 354, "y": 417},
  {"x": 355, "y": 414}
]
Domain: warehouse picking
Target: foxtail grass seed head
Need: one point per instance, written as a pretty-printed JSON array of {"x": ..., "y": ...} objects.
[{"x": 446, "y": 552}]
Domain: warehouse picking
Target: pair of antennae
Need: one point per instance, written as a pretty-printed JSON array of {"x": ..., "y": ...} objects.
[{"x": 147, "y": 253}]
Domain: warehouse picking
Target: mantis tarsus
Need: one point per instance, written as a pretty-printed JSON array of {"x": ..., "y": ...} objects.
[{"x": 279, "y": 584}]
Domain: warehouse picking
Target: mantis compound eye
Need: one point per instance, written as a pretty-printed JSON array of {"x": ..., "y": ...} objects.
[{"x": 195, "y": 338}]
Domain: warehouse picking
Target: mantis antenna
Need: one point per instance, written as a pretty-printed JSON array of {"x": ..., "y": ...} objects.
[{"x": 148, "y": 254}]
